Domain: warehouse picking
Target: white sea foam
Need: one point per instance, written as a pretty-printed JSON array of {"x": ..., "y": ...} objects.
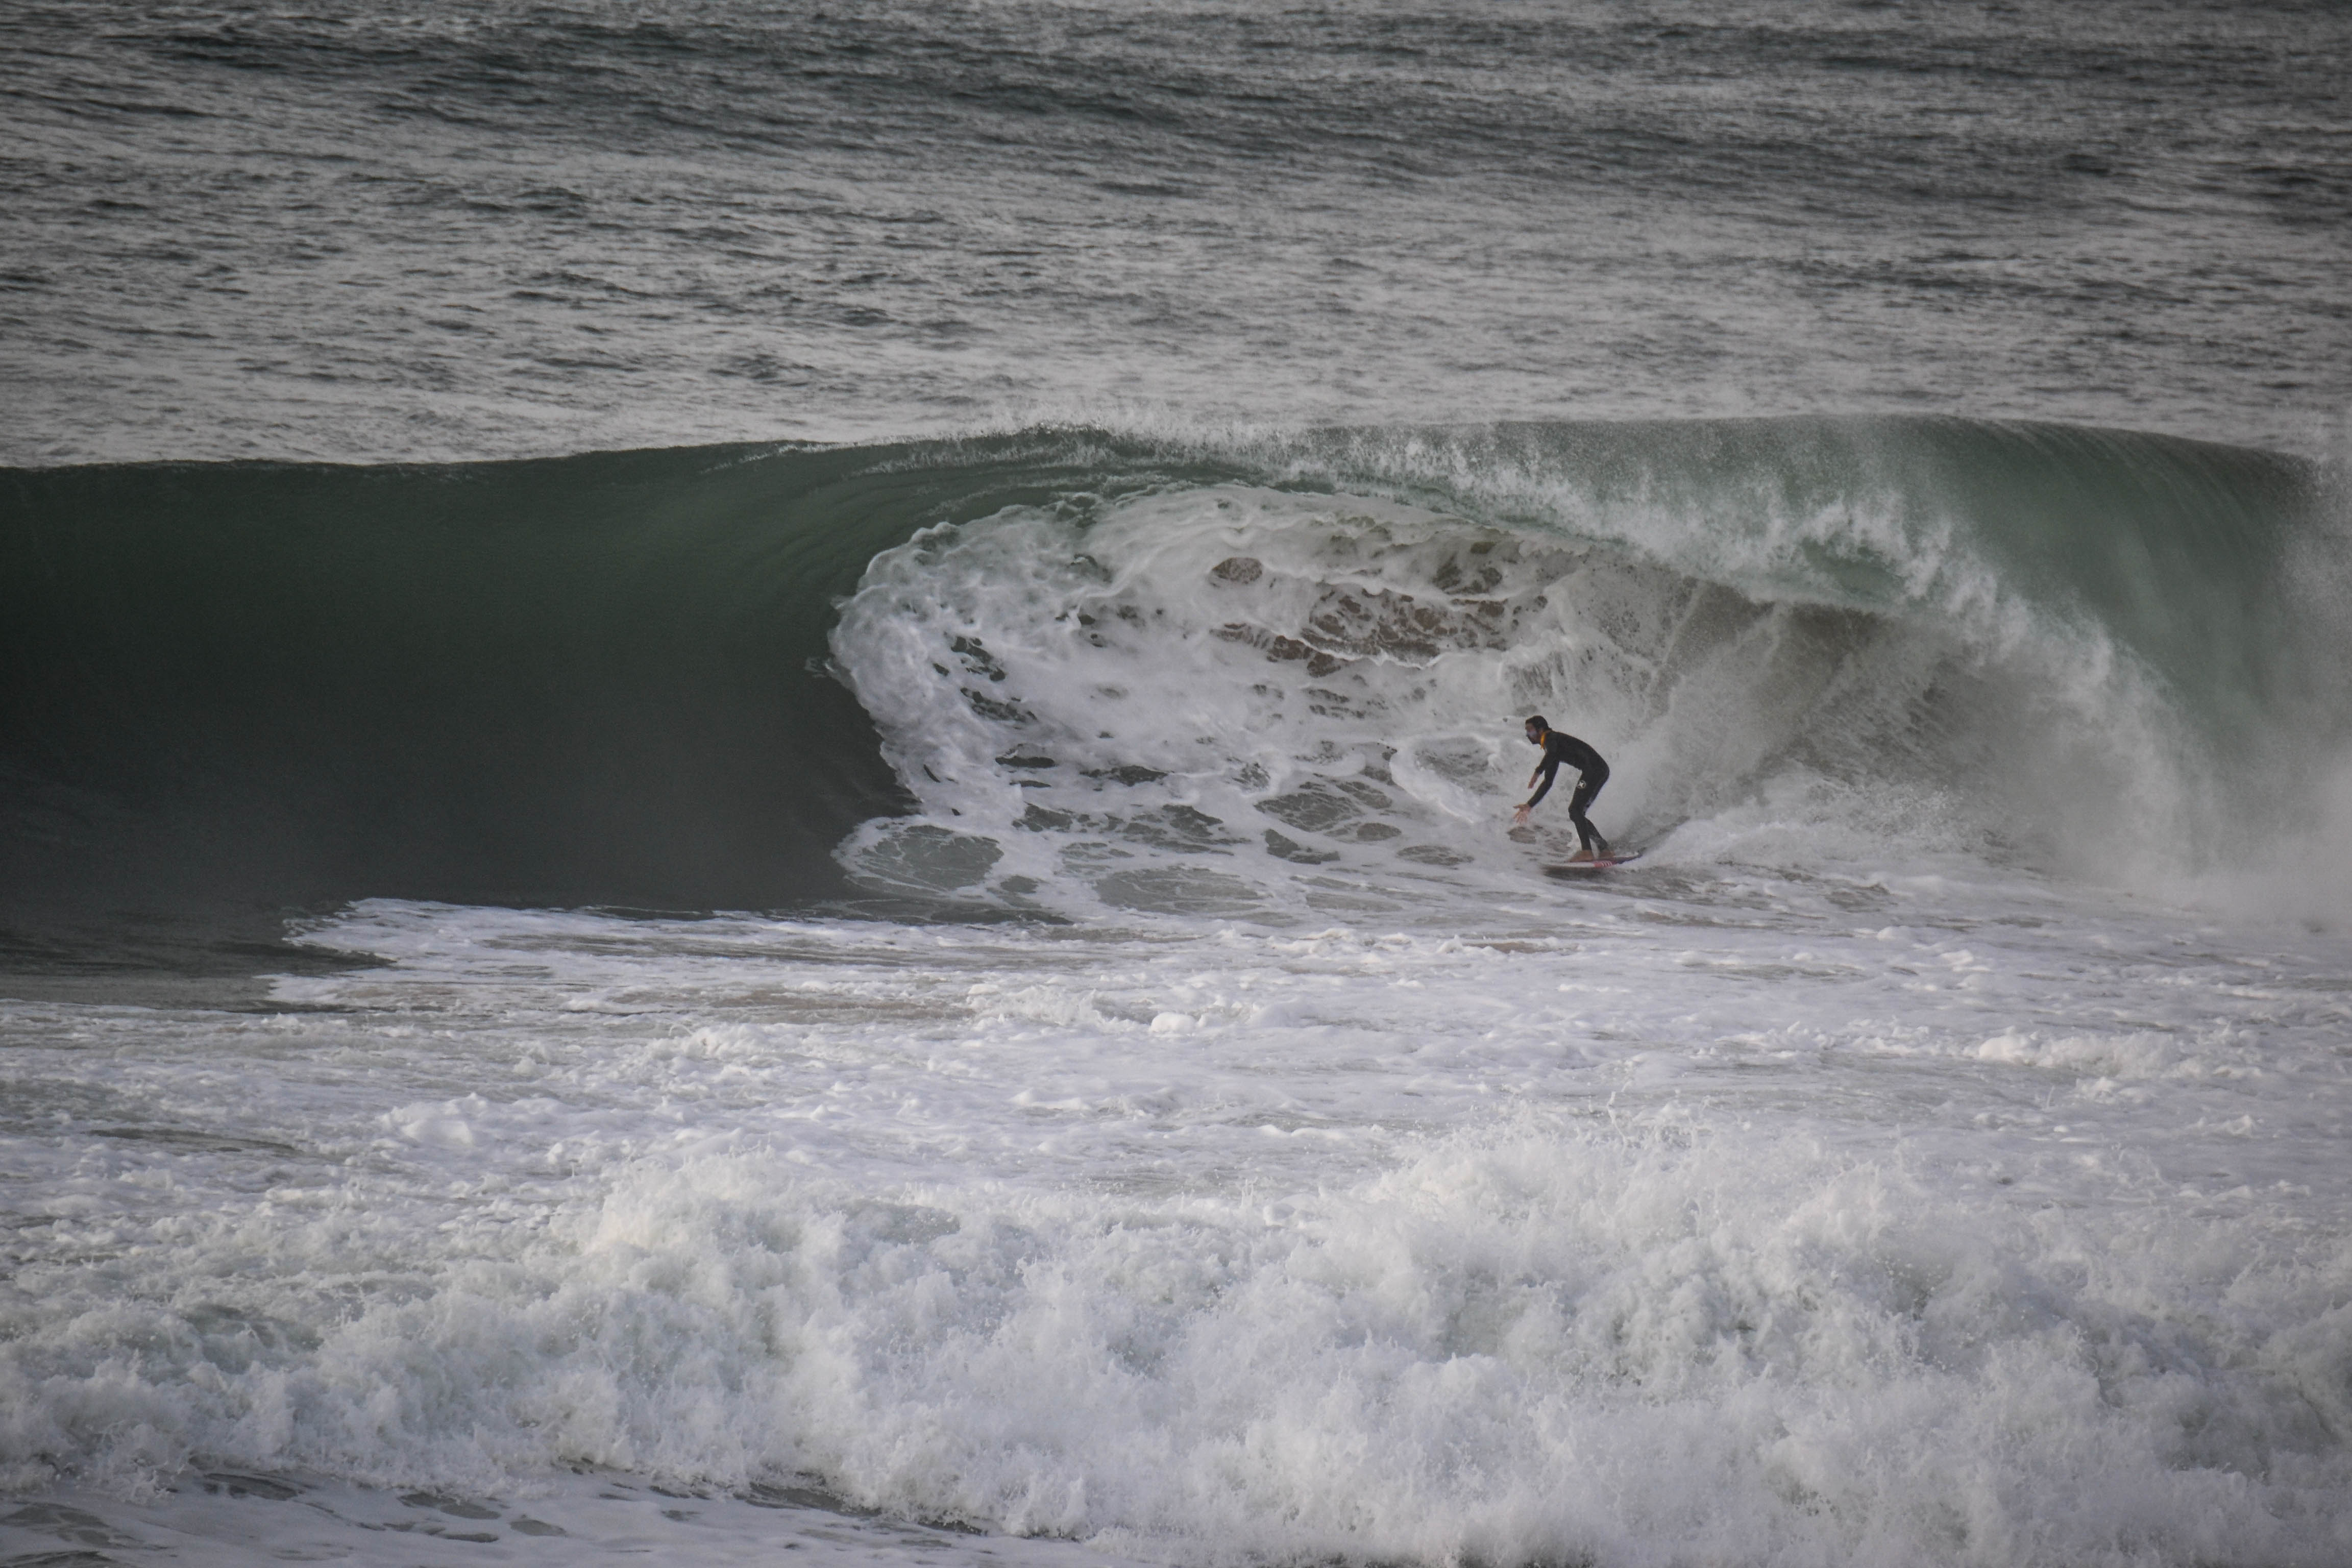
[{"x": 1936, "y": 1216}]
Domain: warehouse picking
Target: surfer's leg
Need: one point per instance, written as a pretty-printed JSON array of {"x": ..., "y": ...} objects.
[{"x": 1586, "y": 833}]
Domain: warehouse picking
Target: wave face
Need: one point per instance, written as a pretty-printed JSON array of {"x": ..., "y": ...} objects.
[{"x": 1139, "y": 672}]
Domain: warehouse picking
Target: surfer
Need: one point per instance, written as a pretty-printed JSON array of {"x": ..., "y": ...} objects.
[{"x": 1591, "y": 773}]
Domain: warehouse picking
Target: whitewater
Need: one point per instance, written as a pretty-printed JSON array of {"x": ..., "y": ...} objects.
[{"x": 756, "y": 771}]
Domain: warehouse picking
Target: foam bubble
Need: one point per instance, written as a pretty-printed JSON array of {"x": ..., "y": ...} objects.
[
  {"x": 1784, "y": 1219},
  {"x": 1540, "y": 1342}
]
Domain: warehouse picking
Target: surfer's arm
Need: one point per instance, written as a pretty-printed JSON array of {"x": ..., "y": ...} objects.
[{"x": 1548, "y": 770}]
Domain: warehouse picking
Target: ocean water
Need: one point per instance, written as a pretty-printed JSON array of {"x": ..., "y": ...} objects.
[
  {"x": 756, "y": 762},
  {"x": 355, "y": 230}
]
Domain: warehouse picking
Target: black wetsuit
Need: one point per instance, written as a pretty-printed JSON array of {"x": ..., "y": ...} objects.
[{"x": 1591, "y": 773}]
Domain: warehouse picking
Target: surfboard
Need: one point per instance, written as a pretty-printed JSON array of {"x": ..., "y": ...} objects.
[{"x": 1611, "y": 864}]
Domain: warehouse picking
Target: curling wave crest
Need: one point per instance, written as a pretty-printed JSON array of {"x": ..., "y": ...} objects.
[{"x": 1236, "y": 698}]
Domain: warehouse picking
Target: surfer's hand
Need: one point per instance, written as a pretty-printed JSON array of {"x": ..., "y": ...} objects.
[{"x": 1519, "y": 817}]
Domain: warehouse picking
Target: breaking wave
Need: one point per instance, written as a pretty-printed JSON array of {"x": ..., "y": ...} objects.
[
  {"x": 1231, "y": 673},
  {"x": 1794, "y": 641}
]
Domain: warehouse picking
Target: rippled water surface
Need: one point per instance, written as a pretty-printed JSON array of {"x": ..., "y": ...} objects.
[{"x": 358, "y": 230}]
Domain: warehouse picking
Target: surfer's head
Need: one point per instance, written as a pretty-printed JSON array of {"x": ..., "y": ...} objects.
[{"x": 1537, "y": 729}]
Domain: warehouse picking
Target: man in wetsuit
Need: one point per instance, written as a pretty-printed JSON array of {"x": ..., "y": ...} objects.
[{"x": 1591, "y": 773}]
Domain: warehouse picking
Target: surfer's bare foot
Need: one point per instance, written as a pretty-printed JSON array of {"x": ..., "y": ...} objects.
[{"x": 1579, "y": 854}]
